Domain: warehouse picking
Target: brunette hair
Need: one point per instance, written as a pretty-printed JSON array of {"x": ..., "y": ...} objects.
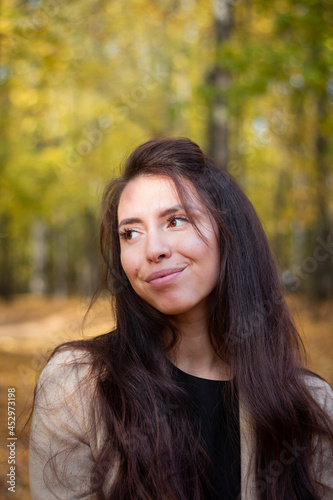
[{"x": 249, "y": 326}]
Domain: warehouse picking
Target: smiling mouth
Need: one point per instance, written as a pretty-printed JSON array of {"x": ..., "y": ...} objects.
[{"x": 165, "y": 276}]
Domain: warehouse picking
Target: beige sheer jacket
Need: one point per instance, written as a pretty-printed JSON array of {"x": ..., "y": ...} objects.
[{"x": 66, "y": 426}]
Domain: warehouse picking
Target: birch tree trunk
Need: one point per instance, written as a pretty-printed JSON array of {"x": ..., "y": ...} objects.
[
  {"x": 219, "y": 81},
  {"x": 38, "y": 281}
]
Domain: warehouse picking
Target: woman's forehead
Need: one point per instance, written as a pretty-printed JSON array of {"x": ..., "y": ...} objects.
[{"x": 155, "y": 191}]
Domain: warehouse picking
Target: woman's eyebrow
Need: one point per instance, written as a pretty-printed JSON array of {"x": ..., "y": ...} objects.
[
  {"x": 164, "y": 213},
  {"x": 132, "y": 220},
  {"x": 171, "y": 210}
]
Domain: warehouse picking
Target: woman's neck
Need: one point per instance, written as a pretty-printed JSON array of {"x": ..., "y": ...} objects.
[{"x": 194, "y": 353}]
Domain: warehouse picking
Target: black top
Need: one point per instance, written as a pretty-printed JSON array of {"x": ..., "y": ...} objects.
[{"x": 213, "y": 399}]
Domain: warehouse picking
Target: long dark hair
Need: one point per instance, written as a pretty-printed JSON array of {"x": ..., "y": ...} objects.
[{"x": 142, "y": 406}]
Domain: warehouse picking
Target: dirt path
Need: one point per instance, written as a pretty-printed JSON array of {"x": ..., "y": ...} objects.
[{"x": 36, "y": 323}]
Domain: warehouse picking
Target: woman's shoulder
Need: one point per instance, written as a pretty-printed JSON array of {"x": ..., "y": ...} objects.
[
  {"x": 67, "y": 355},
  {"x": 66, "y": 359},
  {"x": 68, "y": 373},
  {"x": 80, "y": 363},
  {"x": 320, "y": 390}
]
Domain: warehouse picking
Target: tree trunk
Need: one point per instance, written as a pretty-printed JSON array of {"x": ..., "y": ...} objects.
[
  {"x": 38, "y": 280},
  {"x": 60, "y": 263},
  {"x": 6, "y": 259},
  {"x": 87, "y": 268},
  {"x": 321, "y": 281},
  {"x": 219, "y": 80}
]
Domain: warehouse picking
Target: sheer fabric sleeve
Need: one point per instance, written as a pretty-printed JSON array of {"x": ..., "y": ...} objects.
[
  {"x": 323, "y": 457},
  {"x": 63, "y": 436}
]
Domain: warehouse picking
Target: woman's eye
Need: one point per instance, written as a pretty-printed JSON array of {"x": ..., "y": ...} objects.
[
  {"x": 177, "y": 221},
  {"x": 128, "y": 234}
]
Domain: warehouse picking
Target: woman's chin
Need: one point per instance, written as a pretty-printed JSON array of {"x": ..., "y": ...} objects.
[
  {"x": 174, "y": 309},
  {"x": 169, "y": 309}
]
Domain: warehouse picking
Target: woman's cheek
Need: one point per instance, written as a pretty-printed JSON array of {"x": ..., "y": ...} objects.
[{"x": 130, "y": 266}]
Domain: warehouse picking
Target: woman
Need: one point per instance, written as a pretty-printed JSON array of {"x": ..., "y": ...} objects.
[{"x": 200, "y": 391}]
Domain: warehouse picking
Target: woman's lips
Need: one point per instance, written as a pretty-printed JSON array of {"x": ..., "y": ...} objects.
[{"x": 164, "y": 277}]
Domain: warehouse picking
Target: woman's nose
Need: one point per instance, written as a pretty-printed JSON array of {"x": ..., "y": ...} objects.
[{"x": 157, "y": 247}]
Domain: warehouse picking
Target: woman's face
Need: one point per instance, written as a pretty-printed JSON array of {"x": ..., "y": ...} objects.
[{"x": 166, "y": 261}]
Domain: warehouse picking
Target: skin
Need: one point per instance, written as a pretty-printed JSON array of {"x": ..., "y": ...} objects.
[{"x": 171, "y": 266}]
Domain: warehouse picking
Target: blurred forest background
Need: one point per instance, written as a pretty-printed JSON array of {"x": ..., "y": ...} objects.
[{"x": 84, "y": 82}]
